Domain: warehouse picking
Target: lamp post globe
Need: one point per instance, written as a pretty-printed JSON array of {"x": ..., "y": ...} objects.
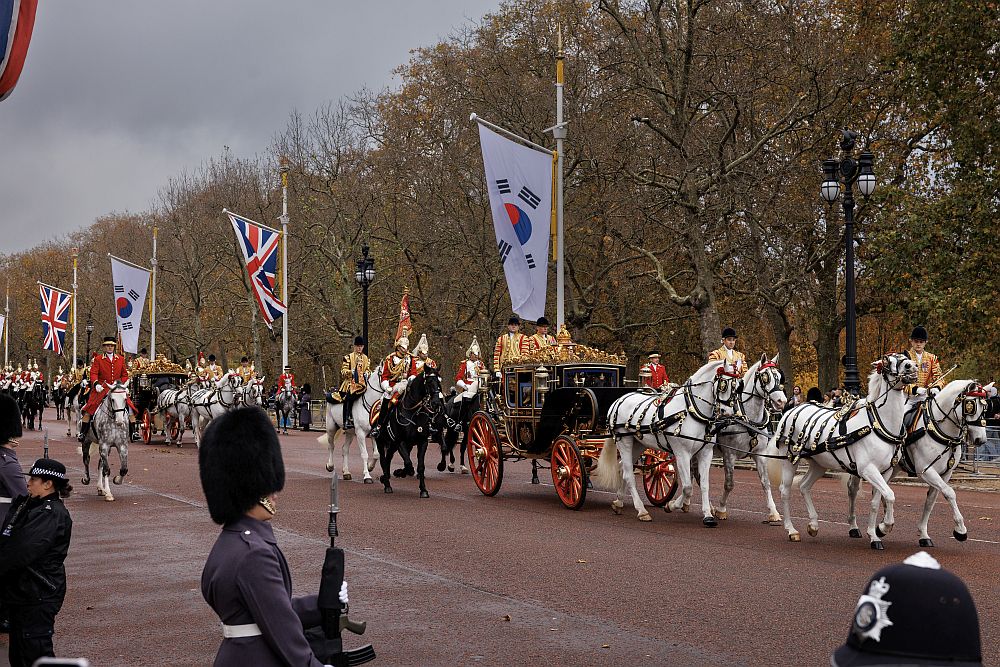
[{"x": 364, "y": 274}]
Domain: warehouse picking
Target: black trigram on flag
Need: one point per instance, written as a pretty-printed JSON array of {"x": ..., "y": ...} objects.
[
  {"x": 530, "y": 260},
  {"x": 133, "y": 294},
  {"x": 504, "y": 249},
  {"x": 126, "y": 326},
  {"x": 503, "y": 186},
  {"x": 529, "y": 197},
  {"x": 119, "y": 289}
]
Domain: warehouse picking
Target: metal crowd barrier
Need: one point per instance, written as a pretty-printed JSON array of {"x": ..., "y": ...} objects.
[{"x": 987, "y": 457}]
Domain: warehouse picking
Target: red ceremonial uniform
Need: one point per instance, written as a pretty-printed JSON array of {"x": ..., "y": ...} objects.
[
  {"x": 393, "y": 377},
  {"x": 290, "y": 377},
  {"x": 657, "y": 375},
  {"x": 105, "y": 371}
]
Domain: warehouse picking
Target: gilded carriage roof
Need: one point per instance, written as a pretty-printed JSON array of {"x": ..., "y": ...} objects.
[
  {"x": 162, "y": 365},
  {"x": 566, "y": 351}
]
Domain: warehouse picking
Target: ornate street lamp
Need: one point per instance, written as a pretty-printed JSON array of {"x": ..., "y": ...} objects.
[
  {"x": 840, "y": 176},
  {"x": 365, "y": 275},
  {"x": 90, "y": 330}
]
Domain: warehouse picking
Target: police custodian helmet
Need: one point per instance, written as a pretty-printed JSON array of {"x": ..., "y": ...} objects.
[
  {"x": 240, "y": 462},
  {"x": 10, "y": 419}
]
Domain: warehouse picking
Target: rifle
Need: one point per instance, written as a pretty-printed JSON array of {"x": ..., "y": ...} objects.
[{"x": 325, "y": 640}]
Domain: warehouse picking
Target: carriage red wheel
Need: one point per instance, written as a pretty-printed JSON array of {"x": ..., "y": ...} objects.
[
  {"x": 174, "y": 430},
  {"x": 659, "y": 476},
  {"x": 146, "y": 427},
  {"x": 569, "y": 475},
  {"x": 483, "y": 449}
]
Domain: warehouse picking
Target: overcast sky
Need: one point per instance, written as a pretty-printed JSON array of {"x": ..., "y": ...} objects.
[{"x": 118, "y": 96}]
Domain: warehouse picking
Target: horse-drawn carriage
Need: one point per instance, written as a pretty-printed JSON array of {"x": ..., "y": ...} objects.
[
  {"x": 551, "y": 407},
  {"x": 146, "y": 384}
]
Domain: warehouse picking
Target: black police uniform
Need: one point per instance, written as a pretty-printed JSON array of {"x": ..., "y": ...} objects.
[{"x": 34, "y": 541}]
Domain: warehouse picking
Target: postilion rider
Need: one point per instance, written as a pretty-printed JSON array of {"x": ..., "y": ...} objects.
[
  {"x": 657, "y": 372},
  {"x": 736, "y": 362},
  {"x": 105, "y": 370},
  {"x": 354, "y": 371},
  {"x": 510, "y": 345},
  {"x": 397, "y": 369},
  {"x": 928, "y": 367}
]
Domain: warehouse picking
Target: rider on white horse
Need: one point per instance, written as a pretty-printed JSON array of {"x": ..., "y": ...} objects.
[{"x": 354, "y": 370}]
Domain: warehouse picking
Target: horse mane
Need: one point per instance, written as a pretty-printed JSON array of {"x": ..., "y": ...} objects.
[
  {"x": 876, "y": 383},
  {"x": 707, "y": 372},
  {"x": 947, "y": 396}
]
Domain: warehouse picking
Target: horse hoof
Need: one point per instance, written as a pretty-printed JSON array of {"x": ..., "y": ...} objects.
[
  {"x": 686, "y": 507},
  {"x": 117, "y": 479},
  {"x": 645, "y": 517},
  {"x": 388, "y": 489},
  {"x": 854, "y": 532},
  {"x": 710, "y": 522},
  {"x": 616, "y": 508},
  {"x": 721, "y": 515},
  {"x": 926, "y": 542},
  {"x": 813, "y": 532},
  {"x": 441, "y": 467},
  {"x": 774, "y": 520},
  {"x": 329, "y": 468},
  {"x": 794, "y": 537},
  {"x": 878, "y": 531},
  {"x": 371, "y": 466},
  {"x": 369, "y": 480},
  {"x": 961, "y": 537},
  {"x": 399, "y": 474},
  {"x": 109, "y": 498},
  {"x": 347, "y": 477},
  {"x": 85, "y": 481},
  {"x": 424, "y": 494},
  {"x": 878, "y": 546},
  {"x": 465, "y": 471},
  {"x": 100, "y": 492},
  {"x": 451, "y": 468}
]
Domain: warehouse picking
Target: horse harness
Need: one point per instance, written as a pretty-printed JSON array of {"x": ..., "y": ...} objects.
[
  {"x": 406, "y": 415},
  {"x": 971, "y": 403}
]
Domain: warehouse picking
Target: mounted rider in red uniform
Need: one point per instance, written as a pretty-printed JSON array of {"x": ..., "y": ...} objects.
[{"x": 105, "y": 370}]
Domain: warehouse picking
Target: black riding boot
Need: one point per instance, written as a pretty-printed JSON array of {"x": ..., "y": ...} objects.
[
  {"x": 83, "y": 432},
  {"x": 348, "y": 419}
]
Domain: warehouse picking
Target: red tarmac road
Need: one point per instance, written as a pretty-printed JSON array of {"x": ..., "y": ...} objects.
[{"x": 461, "y": 579}]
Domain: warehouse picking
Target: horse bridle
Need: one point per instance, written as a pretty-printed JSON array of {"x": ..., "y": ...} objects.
[{"x": 112, "y": 389}]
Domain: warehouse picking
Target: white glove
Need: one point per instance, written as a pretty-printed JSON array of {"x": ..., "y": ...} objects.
[
  {"x": 461, "y": 385},
  {"x": 98, "y": 387},
  {"x": 400, "y": 387},
  {"x": 343, "y": 592},
  {"x": 933, "y": 391},
  {"x": 921, "y": 391},
  {"x": 385, "y": 385}
]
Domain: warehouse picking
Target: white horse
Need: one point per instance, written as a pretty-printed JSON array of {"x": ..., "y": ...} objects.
[
  {"x": 110, "y": 429},
  {"x": 864, "y": 440},
  {"x": 175, "y": 406},
  {"x": 251, "y": 394},
  {"x": 678, "y": 424},
  {"x": 72, "y": 407},
  {"x": 956, "y": 416},
  {"x": 742, "y": 437},
  {"x": 207, "y": 404},
  {"x": 360, "y": 411}
]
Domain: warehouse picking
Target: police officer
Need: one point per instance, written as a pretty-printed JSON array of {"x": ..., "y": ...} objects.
[
  {"x": 11, "y": 477},
  {"x": 34, "y": 541},
  {"x": 246, "y": 579}
]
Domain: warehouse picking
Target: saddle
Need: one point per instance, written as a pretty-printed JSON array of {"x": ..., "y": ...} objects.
[{"x": 911, "y": 417}]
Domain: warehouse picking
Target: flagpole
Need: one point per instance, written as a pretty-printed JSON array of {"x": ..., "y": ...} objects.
[
  {"x": 6, "y": 328},
  {"x": 559, "y": 132},
  {"x": 76, "y": 254},
  {"x": 284, "y": 261},
  {"x": 152, "y": 304}
]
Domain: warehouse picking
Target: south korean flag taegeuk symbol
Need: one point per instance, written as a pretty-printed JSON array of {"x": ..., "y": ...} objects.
[{"x": 520, "y": 220}]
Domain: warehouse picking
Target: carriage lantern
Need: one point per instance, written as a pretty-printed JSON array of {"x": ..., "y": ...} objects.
[
  {"x": 484, "y": 381},
  {"x": 542, "y": 378},
  {"x": 144, "y": 381},
  {"x": 644, "y": 375}
]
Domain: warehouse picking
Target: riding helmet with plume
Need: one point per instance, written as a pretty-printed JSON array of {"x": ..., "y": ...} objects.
[
  {"x": 474, "y": 348},
  {"x": 10, "y": 419},
  {"x": 240, "y": 462},
  {"x": 422, "y": 345}
]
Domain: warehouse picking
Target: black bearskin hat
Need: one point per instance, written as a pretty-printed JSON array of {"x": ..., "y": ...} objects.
[
  {"x": 359, "y": 340},
  {"x": 240, "y": 462},
  {"x": 729, "y": 332},
  {"x": 919, "y": 333},
  {"x": 10, "y": 419}
]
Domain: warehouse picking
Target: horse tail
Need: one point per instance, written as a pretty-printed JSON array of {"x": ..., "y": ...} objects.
[
  {"x": 323, "y": 440},
  {"x": 608, "y": 474}
]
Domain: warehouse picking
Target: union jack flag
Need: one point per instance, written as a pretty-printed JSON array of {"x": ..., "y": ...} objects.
[
  {"x": 259, "y": 245},
  {"x": 55, "y": 314}
]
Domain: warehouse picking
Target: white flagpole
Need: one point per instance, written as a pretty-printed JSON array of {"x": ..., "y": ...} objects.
[
  {"x": 152, "y": 304},
  {"x": 559, "y": 132},
  {"x": 6, "y": 328},
  {"x": 284, "y": 261},
  {"x": 76, "y": 254}
]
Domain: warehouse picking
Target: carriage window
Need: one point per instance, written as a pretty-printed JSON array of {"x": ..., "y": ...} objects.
[
  {"x": 591, "y": 377},
  {"x": 511, "y": 389},
  {"x": 524, "y": 389}
]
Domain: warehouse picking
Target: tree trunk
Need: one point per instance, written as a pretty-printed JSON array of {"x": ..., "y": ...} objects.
[
  {"x": 781, "y": 329},
  {"x": 827, "y": 341}
]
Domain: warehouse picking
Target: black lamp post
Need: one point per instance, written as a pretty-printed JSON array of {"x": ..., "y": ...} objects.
[
  {"x": 365, "y": 275},
  {"x": 90, "y": 330},
  {"x": 841, "y": 176}
]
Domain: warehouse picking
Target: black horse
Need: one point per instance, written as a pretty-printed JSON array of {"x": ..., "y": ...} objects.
[
  {"x": 454, "y": 422},
  {"x": 58, "y": 395},
  {"x": 410, "y": 421},
  {"x": 34, "y": 403}
]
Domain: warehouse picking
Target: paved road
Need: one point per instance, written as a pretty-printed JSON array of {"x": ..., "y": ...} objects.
[{"x": 461, "y": 579}]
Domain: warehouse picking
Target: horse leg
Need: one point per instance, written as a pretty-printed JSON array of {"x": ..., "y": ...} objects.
[
  {"x": 814, "y": 472},
  {"x": 404, "y": 455},
  {"x": 773, "y": 517},
  {"x": 85, "y": 450},
  {"x": 362, "y": 441},
  {"x": 882, "y": 490},
  {"x": 332, "y": 428},
  {"x": 729, "y": 462},
  {"x": 704, "y": 469},
  {"x": 345, "y": 450},
  {"x": 853, "y": 485},
  {"x": 123, "y": 463},
  {"x": 785, "y": 489},
  {"x": 421, "y": 452},
  {"x": 105, "y": 464},
  {"x": 682, "y": 501},
  {"x": 939, "y": 484}
]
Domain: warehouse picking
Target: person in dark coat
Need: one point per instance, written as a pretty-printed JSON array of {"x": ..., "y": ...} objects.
[
  {"x": 34, "y": 541},
  {"x": 246, "y": 579},
  {"x": 305, "y": 414},
  {"x": 12, "y": 482}
]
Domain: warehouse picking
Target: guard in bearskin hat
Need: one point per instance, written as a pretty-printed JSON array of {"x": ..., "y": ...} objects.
[
  {"x": 246, "y": 579},
  {"x": 34, "y": 541},
  {"x": 914, "y": 613}
]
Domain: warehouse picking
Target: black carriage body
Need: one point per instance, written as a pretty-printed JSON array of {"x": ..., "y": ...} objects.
[
  {"x": 141, "y": 387},
  {"x": 574, "y": 401}
]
